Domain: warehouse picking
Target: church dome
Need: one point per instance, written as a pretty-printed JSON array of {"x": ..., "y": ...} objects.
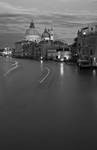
[
  {"x": 46, "y": 34},
  {"x": 32, "y": 34}
]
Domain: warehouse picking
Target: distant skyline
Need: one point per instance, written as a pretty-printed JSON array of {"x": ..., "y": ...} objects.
[{"x": 67, "y": 16}]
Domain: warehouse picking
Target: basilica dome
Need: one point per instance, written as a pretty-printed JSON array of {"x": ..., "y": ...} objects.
[{"x": 32, "y": 34}]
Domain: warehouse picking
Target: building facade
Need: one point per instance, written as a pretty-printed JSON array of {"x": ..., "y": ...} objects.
[
  {"x": 27, "y": 49},
  {"x": 87, "y": 41},
  {"x": 38, "y": 46}
]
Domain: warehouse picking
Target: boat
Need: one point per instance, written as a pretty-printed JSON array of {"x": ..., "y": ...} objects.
[{"x": 84, "y": 63}]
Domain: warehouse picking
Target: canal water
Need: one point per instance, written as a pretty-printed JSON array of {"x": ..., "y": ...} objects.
[{"x": 58, "y": 113}]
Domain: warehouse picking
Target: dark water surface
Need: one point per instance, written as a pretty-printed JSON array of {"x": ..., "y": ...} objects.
[{"x": 59, "y": 113}]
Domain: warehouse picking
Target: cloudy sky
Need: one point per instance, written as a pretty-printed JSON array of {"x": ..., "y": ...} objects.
[{"x": 67, "y": 16}]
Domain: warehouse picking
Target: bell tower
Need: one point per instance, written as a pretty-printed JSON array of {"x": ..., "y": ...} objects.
[{"x": 52, "y": 34}]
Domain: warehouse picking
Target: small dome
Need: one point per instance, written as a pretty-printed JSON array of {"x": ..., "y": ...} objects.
[
  {"x": 32, "y": 30},
  {"x": 46, "y": 34}
]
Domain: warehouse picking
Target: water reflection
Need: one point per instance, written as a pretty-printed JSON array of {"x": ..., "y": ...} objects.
[
  {"x": 61, "y": 69},
  {"x": 87, "y": 81},
  {"x": 87, "y": 73},
  {"x": 94, "y": 73},
  {"x": 41, "y": 61},
  {"x": 41, "y": 65}
]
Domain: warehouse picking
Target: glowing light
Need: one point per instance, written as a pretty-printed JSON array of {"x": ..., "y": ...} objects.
[
  {"x": 41, "y": 57},
  {"x": 5, "y": 52},
  {"x": 62, "y": 59},
  {"x": 84, "y": 33},
  {"x": 41, "y": 61},
  {"x": 94, "y": 59},
  {"x": 67, "y": 57},
  {"x": 94, "y": 73},
  {"x": 59, "y": 56},
  {"x": 41, "y": 65}
]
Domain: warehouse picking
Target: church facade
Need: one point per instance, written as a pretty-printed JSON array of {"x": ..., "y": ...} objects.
[
  {"x": 47, "y": 35},
  {"x": 33, "y": 35}
]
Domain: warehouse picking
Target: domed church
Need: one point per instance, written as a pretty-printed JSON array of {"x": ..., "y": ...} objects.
[
  {"x": 32, "y": 34},
  {"x": 47, "y": 35}
]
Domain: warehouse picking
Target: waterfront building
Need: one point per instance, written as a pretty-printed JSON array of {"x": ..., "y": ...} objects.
[
  {"x": 90, "y": 29},
  {"x": 32, "y": 34},
  {"x": 26, "y": 49},
  {"x": 87, "y": 41},
  {"x": 47, "y": 35},
  {"x": 93, "y": 28},
  {"x": 7, "y": 51},
  {"x": 36, "y": 47},
  {"x": 85, "y": 46},
  {"x": 52, "y": 54}
]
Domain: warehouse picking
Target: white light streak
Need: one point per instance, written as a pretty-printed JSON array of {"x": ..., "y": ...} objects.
[{"x": 62, "y": 69}]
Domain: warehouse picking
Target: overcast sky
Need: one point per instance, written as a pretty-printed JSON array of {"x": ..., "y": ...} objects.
[
  {"x": 67, "y": 16},
  {"x": 50, "y": 5}
]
